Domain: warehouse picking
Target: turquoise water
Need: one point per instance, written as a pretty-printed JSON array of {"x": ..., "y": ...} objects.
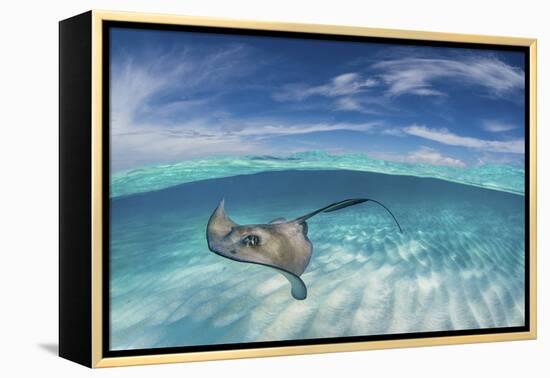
[
  {"x": 459, "y": 263},
  {"x": 493, "y": 176}
]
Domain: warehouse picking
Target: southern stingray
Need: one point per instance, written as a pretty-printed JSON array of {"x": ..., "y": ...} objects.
[{"x": 280, "y": 244}]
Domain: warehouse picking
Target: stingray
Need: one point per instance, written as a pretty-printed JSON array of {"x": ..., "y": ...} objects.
[{"x": 280, "y": 244}]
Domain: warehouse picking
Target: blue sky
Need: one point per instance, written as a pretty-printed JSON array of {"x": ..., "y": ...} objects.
[{"x": 182, "y": 95}]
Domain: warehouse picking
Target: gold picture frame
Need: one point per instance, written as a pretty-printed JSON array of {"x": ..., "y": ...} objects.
[{"x": 87, "y": 334}]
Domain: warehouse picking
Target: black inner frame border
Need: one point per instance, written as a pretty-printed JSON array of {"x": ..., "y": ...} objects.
[{"x": 106, "y": 169}]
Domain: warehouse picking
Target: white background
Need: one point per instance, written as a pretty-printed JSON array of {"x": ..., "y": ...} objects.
[{"x": 28, "y": 148}]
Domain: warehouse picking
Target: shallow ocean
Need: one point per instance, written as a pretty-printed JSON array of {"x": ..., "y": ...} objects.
[{"x": 459, "y": 263}]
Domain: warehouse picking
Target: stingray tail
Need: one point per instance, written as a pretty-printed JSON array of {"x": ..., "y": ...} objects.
[{"x": 343, "y": 204}]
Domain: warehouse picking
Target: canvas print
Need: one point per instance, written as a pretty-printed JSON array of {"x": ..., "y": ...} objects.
[{"x": 269, "y": 188}]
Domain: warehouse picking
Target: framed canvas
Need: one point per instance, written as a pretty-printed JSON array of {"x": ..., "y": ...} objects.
[{"x": 235, "y": 189}]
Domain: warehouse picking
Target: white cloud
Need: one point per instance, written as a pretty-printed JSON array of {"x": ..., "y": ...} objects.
[
  {"x": 344, "y": 88},
  {"x": 148, "y": 146},
  {"x": 346, "y": 84},
  {"x": 265, "y": 129},
  {"x": 488, "y": 158},
  {"x": 430, "y": 156},
  {"x": 444, "y": 136},
  {"x": 206, "y": 137},
  {"x": 423, "y": 155},
  {"x": 143, "y": 132},
  {"x": 348, "y": 103},
  {"x": 342, "y": 85},
  {"x": 134, "y": 82},
  {"x": 417, "y": 75},
  {"x": 497, "y": 127},
  {"x": 393, "y": 131}
]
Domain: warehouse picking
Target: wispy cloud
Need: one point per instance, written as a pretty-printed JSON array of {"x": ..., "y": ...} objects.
[
  {"x": 344, "y": 88},
  {"x": 149, "y": 145},
  {"x": 430, "y": 156},
  {"x": 204, "y": 137},
  {"x": 345, "y": 84},
  {"x": 444, "y": 136},
  {"x": 362, "y": 91},
  {"x": 393, "y": 131},
  {"x": 159, "y": 110},
  {"x": 178, "y": 77},
  {"x": 266, "y": 129},
  {"x": 348, "y": 103},
  {"x": 507, "y": 159},
  {"x": 423, "y": 155},
  {"x": 497, "y": 127},
  {"x": 418, "y": 76}
]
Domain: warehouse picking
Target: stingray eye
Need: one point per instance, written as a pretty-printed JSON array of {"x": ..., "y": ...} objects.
[{"x": 251, "y": 240}]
